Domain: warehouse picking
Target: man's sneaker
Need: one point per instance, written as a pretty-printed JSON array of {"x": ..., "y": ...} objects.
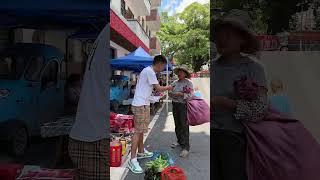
[
  {"x": 135, "y": 167},
  {"x": 174, "y": 145},
  {"x": 144, "y": 155},
  {"x": 184, "y": 153}
]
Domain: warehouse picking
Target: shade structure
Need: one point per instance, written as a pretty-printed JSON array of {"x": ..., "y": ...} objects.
[{"x": 135, "y": 61}]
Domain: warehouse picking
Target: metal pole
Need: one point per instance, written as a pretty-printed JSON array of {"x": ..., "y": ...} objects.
[{"x": 167, "y": 98}]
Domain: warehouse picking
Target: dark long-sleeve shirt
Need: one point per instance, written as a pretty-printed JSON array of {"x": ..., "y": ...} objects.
[{"x": 223, "y": 77}]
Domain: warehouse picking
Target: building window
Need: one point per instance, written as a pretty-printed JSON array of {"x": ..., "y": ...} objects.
[
  {"x": 147, "y": 30},
  {"x": 142, "y": 23},
  {"x": 123, "y": 7},
  {"x": 113, "y": 53},
  {"x": 129, "y": 14}
]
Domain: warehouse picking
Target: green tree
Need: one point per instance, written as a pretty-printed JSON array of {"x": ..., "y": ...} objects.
[
  {"x": 279, "y": 13},
  {"x": 316, "y": 14},
  {"x": 185, "y": 36}
]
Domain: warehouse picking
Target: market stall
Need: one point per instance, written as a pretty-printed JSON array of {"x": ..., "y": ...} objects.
[
  {"x": 136, "y": 61},
  {"x": 121, "y": 124}
]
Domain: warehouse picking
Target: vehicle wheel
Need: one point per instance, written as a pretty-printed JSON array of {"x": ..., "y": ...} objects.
[
  {"x": 18, "y": 141},
  {"x": 115, "y": 106}
]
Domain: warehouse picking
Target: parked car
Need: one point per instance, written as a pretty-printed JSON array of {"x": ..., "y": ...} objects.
[{"x": 31, "y": 92}]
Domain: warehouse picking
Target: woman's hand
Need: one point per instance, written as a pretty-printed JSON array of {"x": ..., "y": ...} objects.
[
  {"x": 223, "y": 102},
  {"x": 179, "y": 94}
]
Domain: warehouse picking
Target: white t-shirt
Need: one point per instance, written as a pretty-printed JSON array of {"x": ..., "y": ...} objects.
[
  {"x": 91, "y": 122},
  {"x": 144, "y": 87}
]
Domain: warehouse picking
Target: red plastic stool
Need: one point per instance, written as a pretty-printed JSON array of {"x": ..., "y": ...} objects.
[
  {"x": 10, "y": 171},
  {"x": 173, "y": 173}
]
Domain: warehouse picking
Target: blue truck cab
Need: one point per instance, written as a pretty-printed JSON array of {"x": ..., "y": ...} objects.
[
  {"x": 119, "y": 91},
  {"x": 31, "y": 92}
]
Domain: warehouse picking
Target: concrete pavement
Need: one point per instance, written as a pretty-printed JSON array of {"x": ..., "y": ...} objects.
[{"x": 197, "y": 164}]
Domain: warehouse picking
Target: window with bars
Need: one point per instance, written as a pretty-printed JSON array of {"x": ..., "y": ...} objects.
[
  {"x": 142, "y": 22},
  {"x": 113, "y": 53},
  {"x": 123, "y": 8},
  {"x": 129, "y": 14},
  {"x": 147, "y": 30}
]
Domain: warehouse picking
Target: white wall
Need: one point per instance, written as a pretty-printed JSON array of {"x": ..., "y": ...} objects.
[
  {"x": 120, "y": 50},
  {"x": 300, "y": 72},
  {"x": 23, "y": 35},
  {"x": 115, "y": 5}
]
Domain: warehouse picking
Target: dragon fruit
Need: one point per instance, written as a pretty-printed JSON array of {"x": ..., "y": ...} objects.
[
  {"x": 187, "y": 90},
  {"x": 246, "y": 88}
]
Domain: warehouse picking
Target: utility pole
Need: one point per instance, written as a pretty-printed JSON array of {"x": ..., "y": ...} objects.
[{"x": 301, "y": 20}]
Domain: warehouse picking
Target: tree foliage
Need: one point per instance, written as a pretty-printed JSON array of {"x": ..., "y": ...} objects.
[
  {"x": 269, "y": 16},
  {"x": 185, "y": 36}
]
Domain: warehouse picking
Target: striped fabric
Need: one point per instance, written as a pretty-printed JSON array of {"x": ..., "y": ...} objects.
[
  {"x": 141, "y": 118},
  {"x": 91, "y": 159}
]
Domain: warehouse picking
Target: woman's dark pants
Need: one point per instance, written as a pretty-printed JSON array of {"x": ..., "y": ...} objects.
[
  {"x": 181, "y": 125},
  {"x": 229, "y": 155}
]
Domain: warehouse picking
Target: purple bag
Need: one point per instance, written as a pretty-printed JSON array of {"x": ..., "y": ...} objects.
[
  {"x": 198, "y": 111},
  {"x": 278, "y": 148}
]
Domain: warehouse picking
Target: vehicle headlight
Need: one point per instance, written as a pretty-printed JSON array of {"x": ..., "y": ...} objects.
[{"x": 4, "y": 92}]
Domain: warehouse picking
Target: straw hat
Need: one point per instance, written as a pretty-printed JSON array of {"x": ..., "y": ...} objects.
[
  {"x": 240, "y": 20},
  {"x": 183, "y": 68}
]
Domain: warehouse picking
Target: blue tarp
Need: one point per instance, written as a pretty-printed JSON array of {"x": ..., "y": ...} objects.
[
  {"x": 135, "y": 61},
  {"x": 17, "y": 13}
]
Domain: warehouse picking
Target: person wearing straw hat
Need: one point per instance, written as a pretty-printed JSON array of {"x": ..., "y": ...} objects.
[
  {"x": 182, "y": 90},
  {"x": 235, "y": 41}
]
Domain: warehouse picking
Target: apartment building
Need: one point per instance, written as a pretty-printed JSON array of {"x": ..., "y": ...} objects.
[{"x": 134, "y": 23}]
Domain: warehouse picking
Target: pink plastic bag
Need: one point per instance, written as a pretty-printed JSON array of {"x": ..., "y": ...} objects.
[{"x": 198, "y": 112}]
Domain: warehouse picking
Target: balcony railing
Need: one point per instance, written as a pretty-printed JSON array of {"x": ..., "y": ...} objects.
[
  {"x": 155, "y": 3},
  {"x": 154, "y": 15},
  {"x": 155, "y": 44},
  {"x": 138, "y": 30}
]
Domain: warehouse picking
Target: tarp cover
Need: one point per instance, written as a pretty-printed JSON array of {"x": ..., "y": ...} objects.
[{"x": 135, "y": 61}]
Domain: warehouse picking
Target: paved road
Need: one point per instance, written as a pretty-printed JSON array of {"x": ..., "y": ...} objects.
[{"x": 197, "y": 165}]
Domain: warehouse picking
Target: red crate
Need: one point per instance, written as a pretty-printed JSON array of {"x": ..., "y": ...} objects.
[
  {"x": 173, "y": 173},
  {"x": 10, "y": 171}
]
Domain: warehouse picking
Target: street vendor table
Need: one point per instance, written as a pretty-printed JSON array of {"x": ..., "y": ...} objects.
[{"x": 60, "y": 129}]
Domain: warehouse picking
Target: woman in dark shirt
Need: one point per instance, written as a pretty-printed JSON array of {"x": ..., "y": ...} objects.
[{"x": 234, "y": 37}]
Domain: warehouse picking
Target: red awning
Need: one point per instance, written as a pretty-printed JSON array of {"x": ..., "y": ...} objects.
[{"x": 117, "y": 25}]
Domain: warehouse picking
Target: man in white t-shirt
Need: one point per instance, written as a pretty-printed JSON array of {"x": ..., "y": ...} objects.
[{"x": 141, "y": 109}]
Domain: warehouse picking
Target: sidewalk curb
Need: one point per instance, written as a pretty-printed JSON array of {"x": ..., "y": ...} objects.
[{"x": 151, "y": 125}]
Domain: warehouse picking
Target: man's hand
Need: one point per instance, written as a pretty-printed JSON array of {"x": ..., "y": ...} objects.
[{"x": 169, "y": 88}]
